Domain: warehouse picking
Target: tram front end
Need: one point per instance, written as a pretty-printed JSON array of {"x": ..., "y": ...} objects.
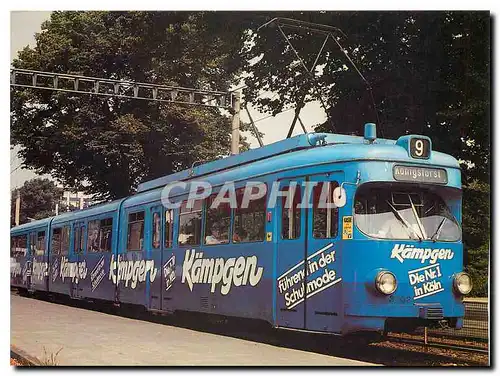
[{"x": 403, "y": 264}]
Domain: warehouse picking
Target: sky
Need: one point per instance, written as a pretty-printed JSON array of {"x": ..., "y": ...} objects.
[{"x": 24, "y": 25}]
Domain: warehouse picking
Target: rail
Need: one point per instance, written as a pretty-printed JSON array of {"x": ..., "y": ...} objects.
[
  {"x": 472, "y": 337},
  {"x": 439, "y": 345}
]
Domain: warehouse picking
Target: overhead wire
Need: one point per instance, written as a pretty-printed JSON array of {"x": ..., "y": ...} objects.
[
  {"x": 325, "y": 30},
  {"x": 272, "y": 115}
]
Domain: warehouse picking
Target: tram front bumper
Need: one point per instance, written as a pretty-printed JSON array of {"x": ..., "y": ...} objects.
[{"x": 399, "y": 317}]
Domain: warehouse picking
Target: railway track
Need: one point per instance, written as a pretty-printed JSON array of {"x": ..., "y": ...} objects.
[
  {"x": 479, "y": 350},
  {"x": 415, "y": 353}
]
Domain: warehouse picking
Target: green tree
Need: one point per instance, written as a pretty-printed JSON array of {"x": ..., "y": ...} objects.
[
  {"x": 476, "y": 234},
  {"x": 106, "y": 146},
  {"x": 38, "y": 200},
  {"x": 478, "y": 268},
  {"x": 429, "y": 72}
]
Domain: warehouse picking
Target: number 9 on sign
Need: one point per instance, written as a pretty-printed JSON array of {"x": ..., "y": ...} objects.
[{"x": 420, "y": 148}]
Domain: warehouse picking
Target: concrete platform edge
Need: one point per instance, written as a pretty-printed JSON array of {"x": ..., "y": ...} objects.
[{"x": 24, "y": 357}]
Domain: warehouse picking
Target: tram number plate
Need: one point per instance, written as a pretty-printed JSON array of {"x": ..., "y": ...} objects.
[
  {"x": 399, "y": 299},
  {"x": 420, "y": 174},
  {"x": 420, "y": 148}
]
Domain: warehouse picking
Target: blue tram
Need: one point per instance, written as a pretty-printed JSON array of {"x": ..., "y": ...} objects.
[{"x": 385, "y": 254}]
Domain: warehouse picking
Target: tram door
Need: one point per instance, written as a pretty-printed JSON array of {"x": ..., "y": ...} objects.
[
  {"x": 39, "y": 266},
  {"x": 291, "y": 252},
  {"x": 30, "y": 257},
  {"x": 155, "y": 254},
  {"x": 168, "y": 259},
  {"x": 323, "y": 303},
  {"x": 77, "y": 255}
]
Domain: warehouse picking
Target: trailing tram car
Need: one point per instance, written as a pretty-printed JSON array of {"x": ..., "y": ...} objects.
[{"x": 384, "y": 255}]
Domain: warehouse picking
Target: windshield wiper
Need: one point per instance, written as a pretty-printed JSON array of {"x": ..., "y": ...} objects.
[
  {"x": 421, "y": 228},
  {"x": 400, "y": 218},
  {"x": 435, "y": 236}
]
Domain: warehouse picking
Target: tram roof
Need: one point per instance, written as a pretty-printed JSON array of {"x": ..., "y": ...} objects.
[
  {"x": 38, "y": 224},
  {"x": 295, "y": 143},
  {"x": 68, "y": 216},
  {"x": 87, "y": 212},
  {"x": 359, "y": 147},
  {"x": 298, "y": 151}
]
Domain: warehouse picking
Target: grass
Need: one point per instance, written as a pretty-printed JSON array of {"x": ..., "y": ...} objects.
[{"x": 50, "y": 359}]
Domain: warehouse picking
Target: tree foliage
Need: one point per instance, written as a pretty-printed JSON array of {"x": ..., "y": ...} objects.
[
  {"x": 106, "y": 146},
  {"x": 38, "y": 200},
  {"x": 476, "y": 223},
  {"x": 429, "y": 72}
]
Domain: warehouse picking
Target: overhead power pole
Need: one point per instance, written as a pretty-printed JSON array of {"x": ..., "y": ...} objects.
[
  {"x": 235, "y": 129},
  {"x": 18, "y": 207}
]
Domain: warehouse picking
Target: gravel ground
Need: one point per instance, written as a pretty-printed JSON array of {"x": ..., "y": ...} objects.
[{"x": 419, "y": 355}]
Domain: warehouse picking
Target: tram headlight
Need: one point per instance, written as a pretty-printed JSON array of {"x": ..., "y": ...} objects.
[
  {"x": 462, "y": 283},
  {"x": 386, "y": 282}
]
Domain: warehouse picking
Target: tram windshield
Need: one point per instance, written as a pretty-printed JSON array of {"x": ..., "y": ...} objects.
[{"x": 390, "y": 211}]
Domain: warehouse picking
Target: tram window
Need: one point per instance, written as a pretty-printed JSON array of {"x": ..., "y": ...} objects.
[
  {"x": 93, "y": 236},
  {"x": 290, "y": 214},
  {"x": 33, "y": 243},
  {"x": 190, "y": 223},
  {"x": 13, "y": 245},
  {"x": 218, "y": 219},
  {"x": 99, "y": 235},
  {"x": 135, "y": 239},
  {"x": 403, "y": 198},
  {"x": 40, "y": 243},
  {"x": 65, "y": 240},
  {"x": 19, "y": 246},
  {"x": 55, "y": 247},
  {"x": 82, "y": 234},
  {"x": 249, "y": 223},
  {"x": 169, "y": 228},
  {"x": 406, "y": 212},
  {"x": 105, "y": 234},
  {"x": 22, "y": 245},
  {"x": 156, "y": 230},
  {"x": 325, "y": 220},
  {"x": 76, "y": 240}
]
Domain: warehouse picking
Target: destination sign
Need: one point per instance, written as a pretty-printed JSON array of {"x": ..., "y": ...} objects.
[{"x": 420, "y": 174}]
